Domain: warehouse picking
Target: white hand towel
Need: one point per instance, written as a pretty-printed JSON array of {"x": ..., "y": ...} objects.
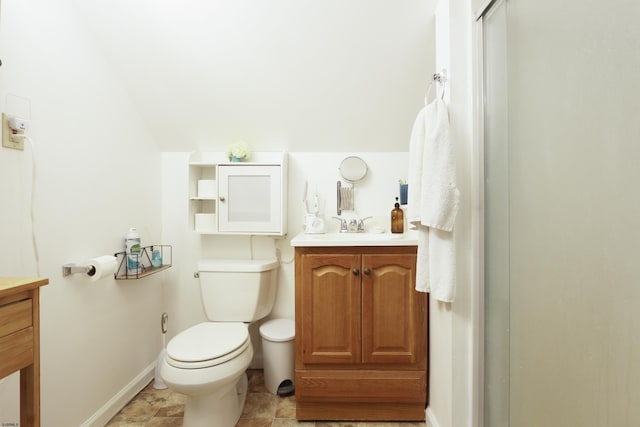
[
  {"x": 436, "y": 263},
  {"x": 433, "y": 200}
]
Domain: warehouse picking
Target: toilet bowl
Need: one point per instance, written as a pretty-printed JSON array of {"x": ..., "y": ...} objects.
[{"x": 207, "y": 362}]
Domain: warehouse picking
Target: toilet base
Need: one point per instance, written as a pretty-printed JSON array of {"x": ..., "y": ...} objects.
[{"x": 216, "y": 410}]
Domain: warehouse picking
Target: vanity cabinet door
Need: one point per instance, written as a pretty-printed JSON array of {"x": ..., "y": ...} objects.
[
  {"x": 394, "y": 315},
  {"x": 329, "y": 308},
  {"x": 361, "y": 309},
  {"x": 250, "y": 199}
]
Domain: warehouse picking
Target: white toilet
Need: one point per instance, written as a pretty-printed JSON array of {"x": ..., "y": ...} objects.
[{"x": 207, "y": 362}]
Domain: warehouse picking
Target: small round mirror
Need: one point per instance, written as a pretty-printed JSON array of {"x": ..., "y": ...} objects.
[{"x": 353, "y": 169}]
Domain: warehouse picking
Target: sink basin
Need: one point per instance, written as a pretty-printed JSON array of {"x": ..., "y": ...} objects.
[{"x": 409, "y": 238}]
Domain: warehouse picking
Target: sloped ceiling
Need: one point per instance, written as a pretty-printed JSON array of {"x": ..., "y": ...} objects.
[{"x": 301, "y": 75}]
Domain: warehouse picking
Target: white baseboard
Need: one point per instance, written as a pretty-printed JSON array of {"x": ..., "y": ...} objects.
[
  {"x": 431, "y": 418},
  {"x": 117, "y": 402}
]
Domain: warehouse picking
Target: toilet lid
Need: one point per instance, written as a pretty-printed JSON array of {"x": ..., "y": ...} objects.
[{"x": 207, "y": 342}]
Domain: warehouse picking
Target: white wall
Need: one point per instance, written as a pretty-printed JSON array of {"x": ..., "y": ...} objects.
[
  {"x": 283, "y": 74},
  {"x": 98, "y": 172},
  {"x": 454, "y": 370}
]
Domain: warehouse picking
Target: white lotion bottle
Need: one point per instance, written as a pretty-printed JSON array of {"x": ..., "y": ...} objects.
[{"x": 133, "y": 251}]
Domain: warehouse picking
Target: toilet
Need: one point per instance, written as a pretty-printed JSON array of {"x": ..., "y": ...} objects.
[{"x": 207, "y": 362}]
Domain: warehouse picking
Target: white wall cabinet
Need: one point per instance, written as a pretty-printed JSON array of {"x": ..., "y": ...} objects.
[{"x": 238, "y": 197}]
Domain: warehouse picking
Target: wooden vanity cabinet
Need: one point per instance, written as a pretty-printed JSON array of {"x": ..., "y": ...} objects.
[
  {"x": 20, "y": 341},
  {"x": 361, "y": 334}
]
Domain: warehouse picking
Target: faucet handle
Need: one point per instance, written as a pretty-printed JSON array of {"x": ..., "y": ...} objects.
[
  {"x": 343, "y": 224},
  {"x": 361, "y": 224}
]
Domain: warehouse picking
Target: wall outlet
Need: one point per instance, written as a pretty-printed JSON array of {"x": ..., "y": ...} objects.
[{"x": 10, "y": 138}]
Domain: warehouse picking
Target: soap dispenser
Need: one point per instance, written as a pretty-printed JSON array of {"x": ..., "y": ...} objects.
[{"x": 397, "y": 219}]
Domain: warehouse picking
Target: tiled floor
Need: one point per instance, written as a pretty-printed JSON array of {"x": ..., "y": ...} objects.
[{"x": 164, "y": 408}]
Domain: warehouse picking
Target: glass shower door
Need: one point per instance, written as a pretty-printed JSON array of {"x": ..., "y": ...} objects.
[
  {"x": 562, "y": 214},
  {"x": 496, "y": 227}
]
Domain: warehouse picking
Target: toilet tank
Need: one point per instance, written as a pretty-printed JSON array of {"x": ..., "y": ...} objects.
[{"x": 237, "y": 290}]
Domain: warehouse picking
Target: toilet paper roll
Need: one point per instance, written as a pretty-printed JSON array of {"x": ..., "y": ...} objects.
[{"x": 102, "y": 266}]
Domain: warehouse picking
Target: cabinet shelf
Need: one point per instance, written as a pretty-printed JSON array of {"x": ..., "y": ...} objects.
[{"x": 144, "y": 260}]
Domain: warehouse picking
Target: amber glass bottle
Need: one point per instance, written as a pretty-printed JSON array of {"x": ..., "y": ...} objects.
[{"x": 397, "y": 219}]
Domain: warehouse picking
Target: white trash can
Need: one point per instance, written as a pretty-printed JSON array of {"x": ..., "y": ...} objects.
[{"x": 278, "y": 355}]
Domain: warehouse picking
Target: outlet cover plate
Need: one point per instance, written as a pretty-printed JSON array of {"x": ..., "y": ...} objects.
[{"x": 8, "y": 138}]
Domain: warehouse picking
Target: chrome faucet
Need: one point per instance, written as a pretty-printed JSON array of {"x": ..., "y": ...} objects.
[
  {"x": 343, "y": 224},
  {"x": 353, "y": 226},
  {"x": 361, "y": 224}
]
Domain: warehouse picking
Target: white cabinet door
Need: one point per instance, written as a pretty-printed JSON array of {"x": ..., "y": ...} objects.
[{"x": 250, "y": 199}]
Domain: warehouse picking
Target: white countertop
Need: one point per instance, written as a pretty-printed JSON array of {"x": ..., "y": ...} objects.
[{"x": 409, "y": 238}]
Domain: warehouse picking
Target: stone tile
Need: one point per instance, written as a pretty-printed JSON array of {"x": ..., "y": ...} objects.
[
  {"x": 154, "y": 399},
  {"x": 254, "y": 422},
  {"x": 260, "y": 405},
  {"x": 337, "y": 424},
  {"x": 256, "y": 381},
  {"x": 164, "y": 408},
  {"x": 125, "y": 423},
  {"x": 286, "y": 407},
  {"x": 279, "y": 422},
  {"x": 139, "y": 409},
  {"x": 171, "y": 411},
  {"x": 164, "y": 422}
]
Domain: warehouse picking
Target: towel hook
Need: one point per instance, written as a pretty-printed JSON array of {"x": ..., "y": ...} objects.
[{"x": 440, "y": 78}]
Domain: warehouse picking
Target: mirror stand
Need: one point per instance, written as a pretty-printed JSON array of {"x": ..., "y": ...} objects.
[
  {"x": 353, "y": 169},
  {"x": 345, "y": 197}
]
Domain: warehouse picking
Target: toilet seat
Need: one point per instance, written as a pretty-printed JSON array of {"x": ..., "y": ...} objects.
[{"x": 207, "y": 344}]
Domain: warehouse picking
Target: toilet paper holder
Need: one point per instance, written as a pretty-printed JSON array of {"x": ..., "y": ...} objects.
[
  {"x": 93, "y": 268},
  {"x": 69, "y": 269}
]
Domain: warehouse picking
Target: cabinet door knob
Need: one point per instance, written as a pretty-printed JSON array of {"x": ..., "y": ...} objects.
[
  {"x": 367, "y": 271},
  {"x": 355, "y": 271},
  {"x": 222, "y": 198}
]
